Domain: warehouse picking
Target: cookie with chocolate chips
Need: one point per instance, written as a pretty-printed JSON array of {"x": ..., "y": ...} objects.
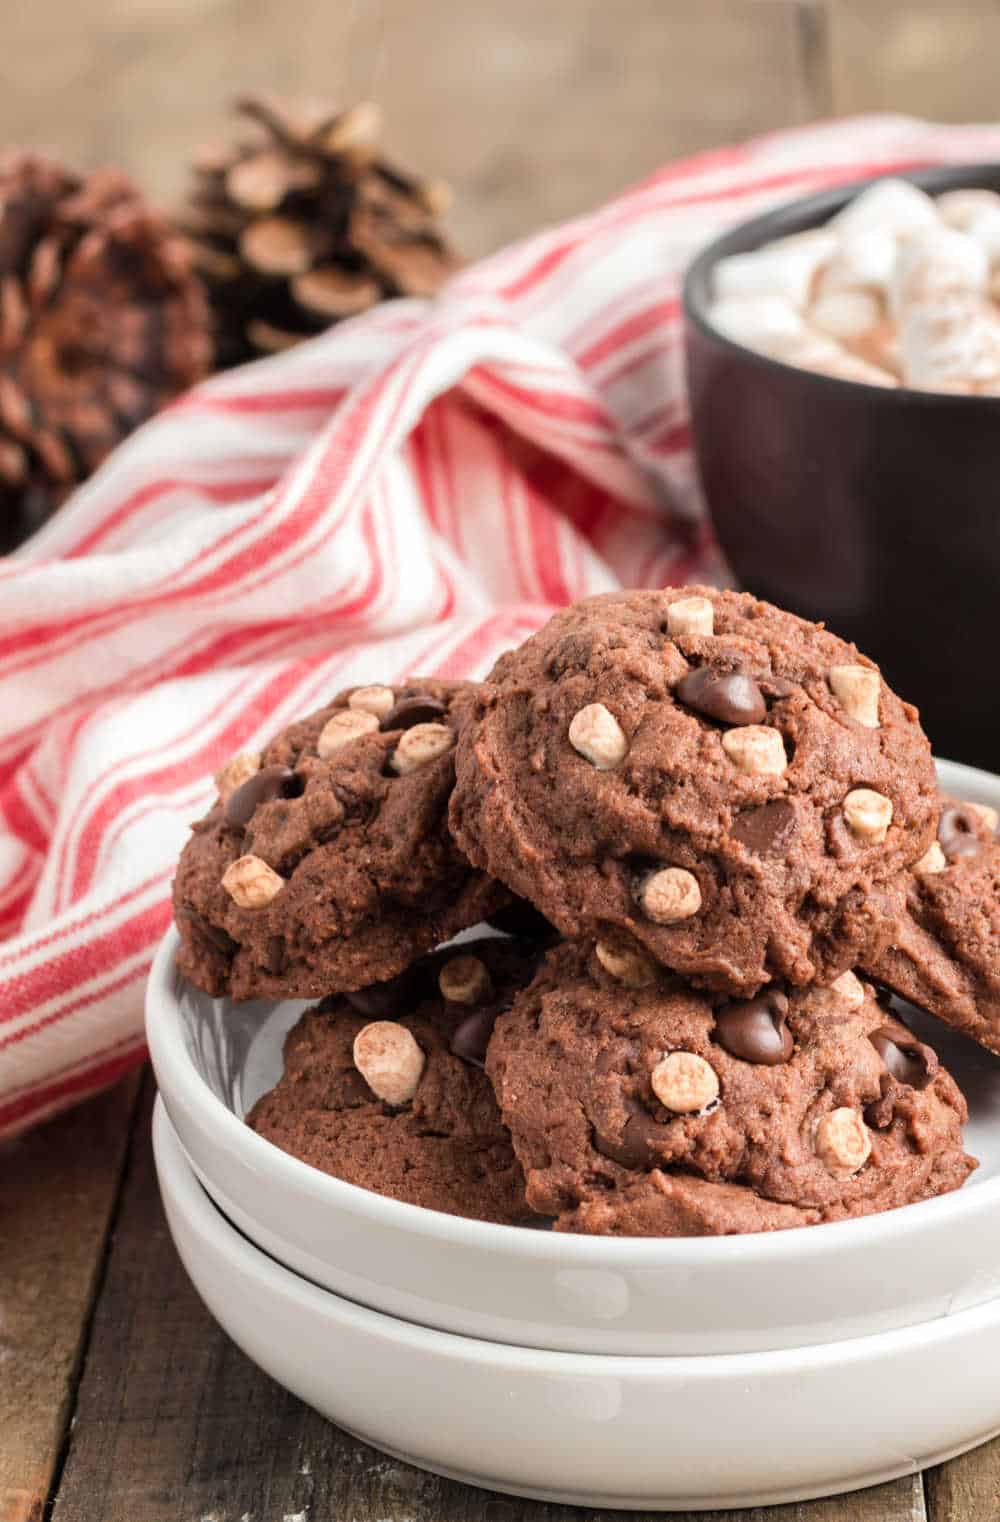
[
  {"x": 326, "y": 862},
  {"x": 735, "y": 788},
  {"x": 639, "y": 1106},
  {"x": 385, "y": 1087},
  {"x": 945, "y": 953}
]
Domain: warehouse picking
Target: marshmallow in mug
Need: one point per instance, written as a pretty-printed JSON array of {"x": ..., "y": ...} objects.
[{"x": 897, "y": 289}]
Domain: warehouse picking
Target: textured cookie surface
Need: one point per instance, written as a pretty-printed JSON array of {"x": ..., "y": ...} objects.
[
  {"x": 645, "y": 1108},
  {"x": 945, "y": 955},
  {"x": 326, "y": 863},
  {"x": 743, "y": 801},
  {"x": 445, "y": 1147}
]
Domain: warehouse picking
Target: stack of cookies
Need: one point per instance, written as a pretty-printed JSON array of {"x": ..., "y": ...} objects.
[{"x": 708, "y": 839}]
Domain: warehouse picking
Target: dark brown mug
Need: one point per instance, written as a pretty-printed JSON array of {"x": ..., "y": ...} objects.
[{"x": 876, "y": 510}]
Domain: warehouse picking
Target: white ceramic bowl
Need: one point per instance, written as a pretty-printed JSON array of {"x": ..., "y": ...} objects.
[
  {"x": 540, "y": 1289},
  {"x": 643, "y": 1433}
]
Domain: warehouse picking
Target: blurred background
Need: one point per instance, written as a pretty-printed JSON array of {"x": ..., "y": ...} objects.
[{"x": 532, "y": 109}]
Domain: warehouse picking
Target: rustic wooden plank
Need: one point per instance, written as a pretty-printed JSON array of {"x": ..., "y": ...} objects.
[
  {"x": 533, "y": 111},
  {"x": 927, "y": 58},
  {"x": 173, "y": 1424},
  {"x": 967, "y": 1489},
  {"x": 58, "y": 1187}
]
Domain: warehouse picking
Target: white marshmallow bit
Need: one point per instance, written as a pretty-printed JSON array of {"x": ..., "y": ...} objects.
[
  {"x": 464, "y": 980},
  {"x": 868, "y": 814},
  {"x": 932, "y": 861},
  {"x": 784, "y": 268},
  {"x": 849, "y": 990},
  {"x": 690, "y": 615},
  {"x": 626, "y": 963},
  {"x": 389, "y": 1060},
  {"x": 758, "y": 321},
  {"x": 984, "y": 229},
  {"x": 857, "y": 689},
  {"x": 845, "y": 314},
  {"x": 843, "y": 1143},
  {"x": 934, "y": 263},
  {"x": 958, "y": 208},
  {"x": 756, "y": 750},
  {"x": 342, "y": 728},
  {"x": 598, "y": 737},
  {"x": 376, "y": 700},
  {"x": 893, "y": 206},
  {"x": 420, "y": 746},
  {"x": 951, "y": 343},
  {"x": 863, "y": 261},
  {"x": 684, "y": 1083},
  {"x": 670, "y": 895}
]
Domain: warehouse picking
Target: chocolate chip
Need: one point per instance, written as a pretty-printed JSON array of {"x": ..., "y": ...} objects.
[
  {"x": 634, "y": 1149},
  {"x": 767, "y": 828},
  {"x": 755, "y": 1031},
  {"x": 390, "y": 998},
  {"x": 732, "y": 699},
  {"x": 912, "y": 1063},
  {"x": 263, "y": 787},
  {"x": 957, "y": 833},
  {"x": 472, "y": 1037},
  {"x": 276, "y": 954},
  {"x": 419, "y": 708}
]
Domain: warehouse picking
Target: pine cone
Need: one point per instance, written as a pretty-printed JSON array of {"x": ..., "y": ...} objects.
[
  {"x": 307, "y": 225},
  {"x": 101, "y": 321}
]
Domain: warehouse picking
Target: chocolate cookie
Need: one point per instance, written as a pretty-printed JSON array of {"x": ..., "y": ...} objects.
[
  {"x": 736, "y": 788},
  {"x": 945, "y": 953},
  {"x": 385, "y": 1088},
  {"x": 640, "y": 1107},
  {"x": 326, "y": 862}
]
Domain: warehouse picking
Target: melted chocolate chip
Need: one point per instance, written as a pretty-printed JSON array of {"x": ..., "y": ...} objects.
[
  {"x": 767, "y": 828},
  {"x": 913, "y": 1063},
  {"x": 732, "y": 699},
  {"x": 755, "y": 1031},
  {"x": 276, "y": 954},
  {"x": 635, "y": 1148},
  {"x": 394, "y": 997},
  {"x": 957, "y": 833},
  {"x": 472, "y": 1037},
  {"x": 419, "y": 708},
  {"x": 263, "y": 787}
]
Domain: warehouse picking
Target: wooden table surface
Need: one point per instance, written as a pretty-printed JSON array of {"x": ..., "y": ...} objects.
[{"x": 122, "y": 1401}]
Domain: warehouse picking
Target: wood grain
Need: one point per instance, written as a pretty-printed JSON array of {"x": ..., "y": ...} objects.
[
  {"x": 58, "y": 1187},
  {"x": 173, "y": 1424},
  {"x": 533, "y": 111},
  {"x": 967, "y": 1489}
]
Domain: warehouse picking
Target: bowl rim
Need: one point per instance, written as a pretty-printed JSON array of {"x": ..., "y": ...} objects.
[
  {"x": 172, "y": 1062},
  {"x": 806, "y": 212},
  {"x": 205, "y": 1218}
]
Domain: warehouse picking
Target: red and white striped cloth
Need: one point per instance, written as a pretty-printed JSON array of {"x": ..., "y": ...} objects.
[{"x": 409, "y": 494}]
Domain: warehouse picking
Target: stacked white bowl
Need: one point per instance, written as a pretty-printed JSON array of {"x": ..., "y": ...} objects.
[{"x": 628, "y": 1373}]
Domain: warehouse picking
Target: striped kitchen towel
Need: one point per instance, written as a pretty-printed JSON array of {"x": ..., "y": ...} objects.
[{"x": 411, "y": 493}]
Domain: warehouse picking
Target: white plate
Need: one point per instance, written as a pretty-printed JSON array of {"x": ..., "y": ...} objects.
[
  {"x": 642, "y": 1433},
  {"x": 213, "y": 1058}
]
